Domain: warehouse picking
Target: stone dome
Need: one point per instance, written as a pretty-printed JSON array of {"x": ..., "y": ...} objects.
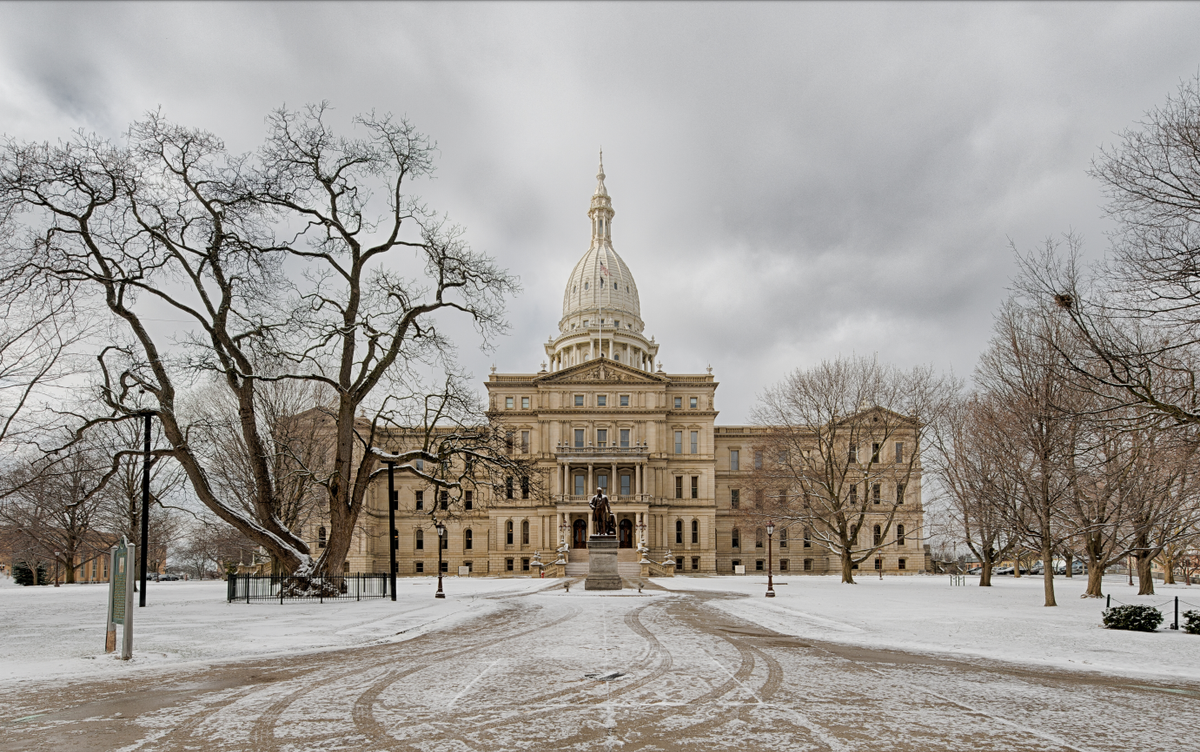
[{"x": 601, "y": 285}]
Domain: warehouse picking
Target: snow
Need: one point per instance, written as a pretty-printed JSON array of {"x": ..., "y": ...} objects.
[
  {"x": 1006, "y": 622},
  {"x": 48, "y": 632}
]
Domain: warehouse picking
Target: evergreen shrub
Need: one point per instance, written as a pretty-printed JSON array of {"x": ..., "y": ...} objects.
[
  {"x": 23, "y": 575},
  {"x": 1135, "y": 618},
  {"x": 1191, "y": 622}
]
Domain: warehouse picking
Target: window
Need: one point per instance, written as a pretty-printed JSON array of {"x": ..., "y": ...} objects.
[
  {"x": 601, "y": 400},
  {"x": 602, "y": 437},
  {"x": 899, "y": 493},
  {"x": 808, "y": 565},
  {"x": 468, "y": 539},
  {"x": 602, "y": 481},
  {"x": 736, "y": 540},
  {"x": 695, "y": 437},
  {"x": 579, "y": 438},
  {"x": 783, "y": 537},
  {"x": 735, "y": 498},
  {"x": 624, "y": 438},
  {"x": 524, "y": 532},
  {"x": 624, "y": 400},
  {"x": 419, "y": 537},
  {"x": 695, "y": 563},
  {"x": 445, "y": 499},
  {"x": 695, "y": 486},
  {"x": 899, "y": 535},
  {"x": 875, "y": 452},
  {"x": 468, "y": 500},
  {"x": 807, "y": 538},
  {"x": 524, "y": 442},
  {"x": 736, "y": 563},
  {"x": 508, "y": 563},
  {"x": 695, "y": 532},
  {"x": 578, "y": 400},
  {"x": 758, "y": 498},
  {"x": 420, "y": 567},
  {"x": 878, "y": 564},
  {"x": 733, "y": 460},
  {"x": 421, "y": 465},
  {"x": 524, "y": 486},
  {"x": 579, "y": 490},
  {"x": 508, "y": 487},
  {"x": 692, "y": 402},
  {"x": 625, "y": 484},
  {"x": 445, "y": 540},
  {"x": 508, "y": 442},
  {"x": 679, "y": 442},
  {"x": 679, "y": 488},
  {"x": 853, "y": 493},
  {"x": 508, "y": 403},
  {"x": 679, "y": 403},
  {"x": 901, "y": 564},
  {"x": 524, "y": 565},
  {"x": 321, "y": 537},
  {"x": 679, "y": 532},
  {"x": 783, "y": 565},
  {"x": 875, "y": 493},
  {"x": 878, "y": 536},
  {"x": 852, "y": 453},
  {"x": 758, "y": 460},
  {"x": 508, "y": 533},
  {"x": 899, "y": 451},
  {"x": 758, "y": 565},
  {"x": 524, "y": 403},
  {"x": 758, "y": 537}
]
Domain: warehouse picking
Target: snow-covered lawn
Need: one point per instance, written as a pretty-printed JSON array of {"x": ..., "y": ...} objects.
[
  {"x": 1005, "y": 622},
  {"x": 48, "y": 632}
]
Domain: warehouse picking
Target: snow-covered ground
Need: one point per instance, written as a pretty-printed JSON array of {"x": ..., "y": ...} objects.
[
  {"x": 48, "y": 632},
  {"x": 1006, "y": 622}
]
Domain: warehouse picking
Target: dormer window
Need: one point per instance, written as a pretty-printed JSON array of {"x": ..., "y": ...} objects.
[
  {"x": 585, "y": 285},
  {"x": 616, "y": 324}
]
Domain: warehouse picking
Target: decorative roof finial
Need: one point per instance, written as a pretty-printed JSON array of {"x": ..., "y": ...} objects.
[{"x": 600, "y": 189}]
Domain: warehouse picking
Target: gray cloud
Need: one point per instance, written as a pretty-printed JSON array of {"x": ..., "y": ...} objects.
[{"x": 792, "y": 182}]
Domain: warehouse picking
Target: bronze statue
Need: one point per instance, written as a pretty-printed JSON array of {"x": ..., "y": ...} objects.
[{"x": 603, "y": 522}]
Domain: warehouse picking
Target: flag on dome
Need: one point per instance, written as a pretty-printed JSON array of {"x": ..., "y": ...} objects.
[{"x": 604, "y": 269}]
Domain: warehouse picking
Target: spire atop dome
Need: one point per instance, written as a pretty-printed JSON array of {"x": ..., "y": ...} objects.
[{"x": 601, "y": 211}]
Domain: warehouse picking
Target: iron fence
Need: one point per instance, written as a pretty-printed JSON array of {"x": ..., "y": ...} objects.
[{"x": 247, "y": 587}]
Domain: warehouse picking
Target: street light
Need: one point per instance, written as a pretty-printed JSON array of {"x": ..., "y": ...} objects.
[
  {"x": 770, "y": 581},
  {"x": 56, "y": 555},
  {"x": 392, "y": 538},
  {"x": 145, "y": 550},
  {"x": 441, "y": 531}
]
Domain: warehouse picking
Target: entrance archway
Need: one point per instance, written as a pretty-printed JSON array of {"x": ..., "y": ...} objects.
[
  {"x": 579, "y": 537},
  {"x": 625, "y": 534}
]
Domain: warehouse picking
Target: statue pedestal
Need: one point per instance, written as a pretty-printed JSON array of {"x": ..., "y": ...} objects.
[{"x": 602, "y": 564}]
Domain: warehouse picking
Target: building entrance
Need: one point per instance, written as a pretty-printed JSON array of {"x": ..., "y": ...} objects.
[
  {"x": 625, "y": 534},
  {"x": 579, "y": 538}
]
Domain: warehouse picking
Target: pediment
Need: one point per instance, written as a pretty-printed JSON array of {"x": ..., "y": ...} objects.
[{"x": 600, "y": 372}]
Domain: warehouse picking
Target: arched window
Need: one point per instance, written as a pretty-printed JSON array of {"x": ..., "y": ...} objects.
[
  {"x": 679, "y": 532},
  {"x": 468, "y": 539},
  {"x": 783, "y": 537},
  {"x": 758, "y": 537},
  {"x": 695, "y": 531},
  {"x": 807, "y": 538},
  {"x": 737, "y": 540},
  {"x": 508, "y": 532},
  {"x": 524, "y": 532},
  {"x": 899, "y": 535},
  {"x": 419, "y": 537},
  {"x": 878, "y": 536},
  {"x": 321, "y": 537}
]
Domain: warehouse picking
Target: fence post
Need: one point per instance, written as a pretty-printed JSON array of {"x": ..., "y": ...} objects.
[
  {"x": 1176, "y": 624},
  {"x": 1108, "y": 602},
  {"x": 230, "y": 588}
]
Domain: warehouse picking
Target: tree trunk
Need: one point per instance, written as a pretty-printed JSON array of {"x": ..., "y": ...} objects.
[
  {"x": 1048, "y": 572},
  {"x": 1070, "y": 563},
  {"x": 1016, "y": 566},
  {"x": 1145, "y": 573},
  {"x": 1168, "y": 570},
  {"x": 985, "y": 574},
  {"x": 1095, "y": 575},
  {"x": 847, "y": 570}
]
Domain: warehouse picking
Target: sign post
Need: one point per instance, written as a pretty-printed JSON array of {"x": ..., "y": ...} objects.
[{"x": 120, "y": 597}]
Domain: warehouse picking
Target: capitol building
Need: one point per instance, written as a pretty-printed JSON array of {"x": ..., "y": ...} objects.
[{"x": 601, "y": 413}]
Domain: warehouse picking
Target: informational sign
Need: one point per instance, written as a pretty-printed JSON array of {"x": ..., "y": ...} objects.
[
  {"x": 739, "y": 569},
  {"x": 120, "y": 598}
]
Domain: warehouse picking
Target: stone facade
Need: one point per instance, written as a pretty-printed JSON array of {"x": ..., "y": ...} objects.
[{"x": 600, "y": 413}]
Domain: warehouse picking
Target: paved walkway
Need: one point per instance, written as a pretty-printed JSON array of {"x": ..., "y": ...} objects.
[{"x": 582, "y": 671}]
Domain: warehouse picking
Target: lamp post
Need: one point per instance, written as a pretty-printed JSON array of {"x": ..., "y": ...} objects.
[
  {"x": 56, "y": 555},
  {"x": 441, "y": 531},
  {"x": 392, "y": 541},
  {"x": 770, "y": 581},
  {"x": 144, "y": 549}
]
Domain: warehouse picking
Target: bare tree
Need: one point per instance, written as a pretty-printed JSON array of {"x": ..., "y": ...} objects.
[
  {"x": 844, "y": 451},
  {"x": 286, "y": 264}
]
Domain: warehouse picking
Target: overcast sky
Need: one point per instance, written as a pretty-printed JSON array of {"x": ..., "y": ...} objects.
[{"x": 792, "y": 182}]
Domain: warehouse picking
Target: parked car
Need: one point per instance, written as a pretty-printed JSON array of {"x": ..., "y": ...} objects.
[
  {"x": 168, "y": 578},
  {"x": 1036, "y": 569},
  {"x": 1002, "y": 570},
  {"x": 975, "y": 570}
]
